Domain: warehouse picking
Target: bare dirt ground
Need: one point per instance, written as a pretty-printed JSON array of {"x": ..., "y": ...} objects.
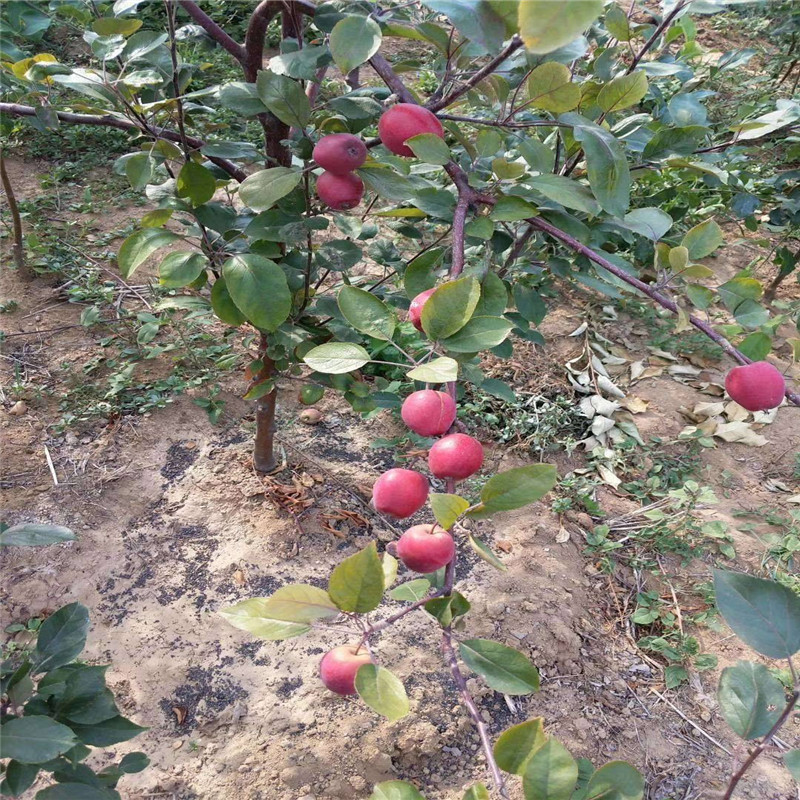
[{"x": 173, "y": 524}]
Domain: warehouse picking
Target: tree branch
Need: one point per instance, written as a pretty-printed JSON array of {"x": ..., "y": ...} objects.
[
  {"x": 113, "y": 121},
  {"x": 653, "y": 294},
  {"x": 212, "y": 29},
  {"x": 487, "y": 69},
  {"x": 663, "y": 25}
]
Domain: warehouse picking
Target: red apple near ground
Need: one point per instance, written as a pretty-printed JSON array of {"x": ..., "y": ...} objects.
[
  {"x": 340, "y": 153},
  {"x": 403, "y": 121},
  {"x": 757, "y": 387},
  {"x": 429, "y": 413},
  {"x": 339, "y": 666},
  {"x": 415, "y": 309},
  {"x": 426, "y": 548},
  {"x": 455, "y": 456},
  {"x": 400, "y": 492},
  {"x": 340, "y": 192}
]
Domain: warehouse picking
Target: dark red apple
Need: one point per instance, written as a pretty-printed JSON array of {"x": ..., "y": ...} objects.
[
  {"x": 455, "y": 456},
  {"x": 400, "y": 492},
  {"x": 340, "y": 153},
  {"x": 403, "y": 121},
  {"x": 415, "y": 309},
  {"x": 757, "y": 387},
  {"x": 428, "y": 412},
  {"x": 339, "y": 666},
  {"x": 340, "y": 192},
  {"x": 426, "y": 548}
]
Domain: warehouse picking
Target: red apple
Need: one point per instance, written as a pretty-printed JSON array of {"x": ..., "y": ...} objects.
[
  {"x": 400, "y": 492},
  {"x": 455, "y": 456},
  {"x": 426, "y": 548},
  {"x": 403, "y": 121},
  {"x": 415, "y": 309},
  {"x": 340, "y": 192},
  {"x": 757, "y": 387},
  {"x": 340, "y": 153},
  {"x": 429, "y": 413},
  {"x": 339, "y": 666}
]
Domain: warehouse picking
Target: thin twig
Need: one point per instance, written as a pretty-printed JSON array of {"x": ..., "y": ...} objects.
[
  {"x": 50, "y": 465},
  {"x": 691, "y": 722}
]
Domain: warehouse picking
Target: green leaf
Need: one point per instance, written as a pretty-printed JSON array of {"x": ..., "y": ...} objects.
[
  {"x": 550, "y": 774},
  {"x": 108, "y": 26},
  {"x": 259, "y": 390},
  {"x": 288, "y": 612},
  {"x": 411, "y": 591},
  {"x": 419, "y": 275},
  {"x": 156, "y": 218},
  {"x": 567, "y": 192},
  {"x": 764, "y": 614},
  {"x": 354, "y": 40},
  {"x": 750, "y": 698},
  {"x": 34, "y": 739},
  {"x": 498, "y": 388},
  {"x": 512, "y": 209},
  {"x": 18, "y": 777},
  {"x": 606, "y": 164},
  {"x": 515, "y": 488},
  {"x": 447, "y": 508},
  {"x": 62, "y": 637},
  {"x": 792, "y": 761},
  {"x": 703, "y": 239},
  {"x": 529, "y": 303},
  {"x": 484, "y": 552},
  {"x": 616, "y": 780},
  {"x": 650, "y": 222},
  {"x": 440, "y": 370},
  {"x": 506, "y": 670},
  {"x": 181, "y": 269},
  {"x": 446, "y": 609},
  {"x": 142, "y": 43},
  {"x": 356, "y": 585},
  {"x": 108, "y": 732},
  {"x": 515, "y": 746},
  {"x": 366, "y": 313},
  {"x": 196, "y": 183},
  {"x": 339, "y": 255},
  {"x": 617, "y": 23},
  {"x": 223, "y": 305},
  {"x": 494, "y": 297},
  {"x": 430, "y": 148},
  {"x": 259, "y": 289},
  {"x": 139, "y": 246},
  {"x": 480, "y": 333},
  {"x": 550, "y": 88},
  {"x": 386, "y": 183},
  {"x": 734, "y": 292},
  {"x": 32, "y": 534},
  {"x": 263, "y": 189},
  {"x": 284, "y": 97},
  {"x": 545, "y": 26},
  {"x": 757, "y": 346},
  {"x": 242, "y": 98},
  {"x": 435, "y": 202},
  {"x": 336, "y": 358},
  {"x": 622, "y": 92},
  {"x": 751, "y": 315},
  {"x": 449, "y": 308},
  {"x": 483, "y": 22},
  {"x": 477, "y": 792},
  {"x": 389, "y": 564},
  {"x": 382, "y": 691},
  {"x": 395, "y": 790}
]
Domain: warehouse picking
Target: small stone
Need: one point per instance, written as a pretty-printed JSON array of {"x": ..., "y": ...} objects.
[
  {"x": 71, "y": 439},
  {"x": 18, "y": 409},
  {"x": 495, "y": 608},
  {"x": 177, "y": 744},
  {"x": 519, "y": 634}
]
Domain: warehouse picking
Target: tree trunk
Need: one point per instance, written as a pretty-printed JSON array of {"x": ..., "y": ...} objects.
[
  {"x": 264, "y": 446},
  {"x": 275, "y": 132},
  {"x": 17, "y": 248}
]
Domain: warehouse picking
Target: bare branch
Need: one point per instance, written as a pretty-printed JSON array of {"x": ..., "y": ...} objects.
[
  {"x": 114, "y": 121},
  {"x": 212, "y": 29},
  {"x": 653, "y": 294}
]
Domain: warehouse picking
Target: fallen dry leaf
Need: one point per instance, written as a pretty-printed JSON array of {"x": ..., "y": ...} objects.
[
  {"x": 739, "y": 432},
  {"x": 562, "y": 536}
]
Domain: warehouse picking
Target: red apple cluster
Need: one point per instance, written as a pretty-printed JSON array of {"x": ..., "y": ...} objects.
[{"x": 339, "y": 154}]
